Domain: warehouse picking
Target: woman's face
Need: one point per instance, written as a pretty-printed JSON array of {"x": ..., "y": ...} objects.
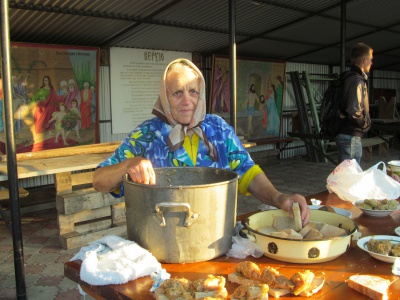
[
  {"x": 183, "y": 94},
  {"x": 46, "y": 81}
]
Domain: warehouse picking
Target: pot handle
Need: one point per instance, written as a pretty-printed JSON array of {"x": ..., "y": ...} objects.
[{"x": 158, "y": 216}]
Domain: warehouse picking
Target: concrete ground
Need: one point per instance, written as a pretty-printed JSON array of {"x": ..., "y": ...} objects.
[{"x": 44, "y": 259}]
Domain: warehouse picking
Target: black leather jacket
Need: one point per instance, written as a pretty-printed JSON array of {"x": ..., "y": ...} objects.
[{"x": 357, "y": 119}]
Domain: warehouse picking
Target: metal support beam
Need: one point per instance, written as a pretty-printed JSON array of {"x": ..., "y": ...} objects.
[
  {"x": 232, "y": 61},
  {"x": 11, "y": 155},
  {"x": 343, "y": 37}
]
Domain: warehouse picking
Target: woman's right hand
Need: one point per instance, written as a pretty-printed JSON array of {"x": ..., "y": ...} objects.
[{"x": 140, "y": 170}]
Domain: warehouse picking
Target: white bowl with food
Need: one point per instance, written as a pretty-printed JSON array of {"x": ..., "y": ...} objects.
[
  {"x": 377, "y": 208},
  {"x": 381, "y": 247},
  {"x": 306, "y": 250}
]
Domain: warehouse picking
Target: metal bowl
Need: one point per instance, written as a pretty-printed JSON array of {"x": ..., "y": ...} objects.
[{"x": 301, "y": 251}]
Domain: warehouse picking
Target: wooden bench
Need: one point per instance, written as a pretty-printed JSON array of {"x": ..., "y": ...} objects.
[
  {"x": 270, "y": 156},
  {"x": 277, "y": 141},
  {"x": 368, "y": 143}
]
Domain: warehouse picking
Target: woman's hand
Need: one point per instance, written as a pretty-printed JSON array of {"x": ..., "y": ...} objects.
[
  {"x": 140, "y": 170},
  {"x": 109, "y": 178},
  {"x": 261, "y": 188},
  {"x": 286, "y": 203}
]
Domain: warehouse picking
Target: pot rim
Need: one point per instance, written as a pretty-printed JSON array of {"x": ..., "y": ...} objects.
[{"x": 235, "y": 177}]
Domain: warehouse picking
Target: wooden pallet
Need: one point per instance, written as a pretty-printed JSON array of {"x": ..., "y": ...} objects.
[{"x": 85, "y": 215}]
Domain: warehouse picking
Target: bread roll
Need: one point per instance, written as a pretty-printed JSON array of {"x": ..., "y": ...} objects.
[
  {"x": 313, "y": 234},
  {"x": 306, "y": 229},
  {"x": 374, "y": 287},
  {"x": 239, "y": 279},
  {"x": 256, "y": 292},
  {"x": 283, "y": 222},
  {"x": 330, "y": 231},
  {"x": 297, "y": 217}
]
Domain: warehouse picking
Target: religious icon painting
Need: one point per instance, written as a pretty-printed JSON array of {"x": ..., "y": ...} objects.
[
  {"x": 259, "y": 90},
  {"x": 54, "y": 96}
]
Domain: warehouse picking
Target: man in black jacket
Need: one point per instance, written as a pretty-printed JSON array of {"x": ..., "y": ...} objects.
[{"x": 357, "y": 120}]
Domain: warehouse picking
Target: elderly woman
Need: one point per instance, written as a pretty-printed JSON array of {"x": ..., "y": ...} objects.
[{"x": 182, "y": 134}]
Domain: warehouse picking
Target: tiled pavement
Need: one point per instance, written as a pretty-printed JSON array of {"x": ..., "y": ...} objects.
[{"x": 44, "y": 259}]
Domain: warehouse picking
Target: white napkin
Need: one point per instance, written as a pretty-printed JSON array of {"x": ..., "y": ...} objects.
[{"x": 114, "y": 260}]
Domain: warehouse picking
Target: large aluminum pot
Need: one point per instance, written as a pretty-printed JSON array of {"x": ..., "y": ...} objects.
[
  {"x": 188, "y": 216},
  {"x": 301, "y": 251}
]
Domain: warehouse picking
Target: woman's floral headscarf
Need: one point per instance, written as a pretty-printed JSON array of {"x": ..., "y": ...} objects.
[{"x": 162, "y": 109}]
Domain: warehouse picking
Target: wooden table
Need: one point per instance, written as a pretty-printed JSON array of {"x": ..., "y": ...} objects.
[
  {"x": 337, "y": 271},
  {"x": 53, "y": 165}
]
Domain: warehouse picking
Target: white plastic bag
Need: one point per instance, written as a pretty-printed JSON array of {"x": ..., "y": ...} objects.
[
  {"x": 350, "y": 183},
  {"x": 243, "y": 247}
]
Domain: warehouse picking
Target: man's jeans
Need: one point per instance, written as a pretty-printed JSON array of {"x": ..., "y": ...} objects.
[{"x": 349, "y": 147}]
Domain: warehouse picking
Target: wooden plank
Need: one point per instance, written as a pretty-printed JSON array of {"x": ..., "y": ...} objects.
[
  {"x": 63, "y": 183},
  {"x": 66, "y": 223},
  {"x": 267, "y": 141},
  {"x": 49, "y": 166},
  {"x": 74, "y": 239},
  {"x": 5, "y": 194},
  {"x": 85, "y": 149},
  {"x": 375, "y": 140},
  {"x": 94, "y": 226},
  {"x": 118, "y": 212},
  {"x": 84, "y": 199},
  {"x": 82, "y": 178}
]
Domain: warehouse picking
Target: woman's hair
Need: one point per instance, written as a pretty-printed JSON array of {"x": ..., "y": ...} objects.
[
  {"x": 358, "y": 52},
  {"x": 74, "y": 101},
  {"x": 61, "y": 104}
]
